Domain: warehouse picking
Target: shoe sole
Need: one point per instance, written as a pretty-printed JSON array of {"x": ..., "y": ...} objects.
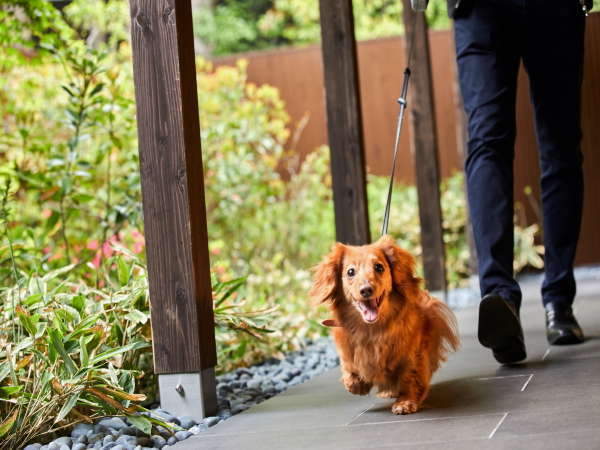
[
  {"x": 564, "y": 339},
  {"x": 499, "y": 329}
]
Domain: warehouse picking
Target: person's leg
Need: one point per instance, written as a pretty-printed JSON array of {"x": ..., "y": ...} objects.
[
  {"x": 553, "y": 58},
  {"x": 554, "y": 61},
  {"x": 488, "y": 56}
]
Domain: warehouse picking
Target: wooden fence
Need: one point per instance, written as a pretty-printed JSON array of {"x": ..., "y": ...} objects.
[{"x": 298, "y": 74}]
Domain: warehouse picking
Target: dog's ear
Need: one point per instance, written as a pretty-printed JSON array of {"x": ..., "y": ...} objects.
[
  {"x": 327, "y": 279},
  {"x": 402, "y": 265}
]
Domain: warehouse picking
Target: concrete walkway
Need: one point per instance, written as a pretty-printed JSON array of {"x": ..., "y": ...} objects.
[{"x": 552, "y": 401}]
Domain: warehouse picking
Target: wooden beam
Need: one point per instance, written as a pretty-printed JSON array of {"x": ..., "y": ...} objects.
[
  {"x": 425, "y": 149},
  {"x": 173, "y": 192},
  {"x": 344, "y": 121}
]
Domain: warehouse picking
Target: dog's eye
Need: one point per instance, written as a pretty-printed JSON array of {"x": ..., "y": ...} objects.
[
  {"x": 379, "y": 268},
  {"x": 351, "y": 272}
]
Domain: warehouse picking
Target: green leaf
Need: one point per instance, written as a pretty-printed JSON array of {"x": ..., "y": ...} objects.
[
  {"x": 141, "y": 423},
  {"x": 7, "y": 425},
  {"x": 136, "y": 316},
  {"x": 7, "y": 391},
  {"x": 117, "y": 351},
  {"x": 97, "y": 89},
  {"x": 233, "y": 285},
  {"x": 36, "y": 285},
  {"x": 41, "y": 329},
  {"x": 78, "y": 302},
  {"x": 123, "y": 271},
  {"x": 69, "y": 91},
  {"x": 51, "y": 222},
  {"x": 32, "y": 299},
  {"x": 56, "y": 339},
  {"x": 58, "y": 272},
  {"x": 67, "y": 407},
  {"x": 82, "y": 198},
  {"x": 4, "y": 370},
  {"x": 84, "y": 357},
  {"x": 25, "y": 343},
  {"x": 84, "y": 326},
  {"x": 27, "y": 321}
]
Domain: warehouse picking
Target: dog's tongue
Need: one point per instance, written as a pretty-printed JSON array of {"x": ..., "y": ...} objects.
[
  {"x": 370, "y": 314},
  {"x": 369, "y": 310}
]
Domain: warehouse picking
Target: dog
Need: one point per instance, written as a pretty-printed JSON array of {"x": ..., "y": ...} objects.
[{"x": 390, "y": 334}]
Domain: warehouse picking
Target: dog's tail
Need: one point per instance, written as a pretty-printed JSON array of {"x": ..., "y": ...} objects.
[{"x": 443, "y": 328}]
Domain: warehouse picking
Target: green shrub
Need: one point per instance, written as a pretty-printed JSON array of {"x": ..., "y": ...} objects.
[
  {"x": 71, "y": 352},
  {"x": 231, "y": 26}
]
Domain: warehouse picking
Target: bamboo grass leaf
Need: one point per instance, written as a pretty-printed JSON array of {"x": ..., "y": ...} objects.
[
  {"x": 4, "y": 370},
  {"x": 118, "y": 351},
  {"x": 26, "y": 320},
  {"x": 84, "y": 357},
  {"x": 67, "y": 407},
  {"x": 57, "y": 343},
  {"x": 141, "y": 423},
  {"x": 7, "y": 425}
]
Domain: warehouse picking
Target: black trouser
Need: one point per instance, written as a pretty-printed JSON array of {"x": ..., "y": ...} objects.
[{"x": 491, "y": 40}]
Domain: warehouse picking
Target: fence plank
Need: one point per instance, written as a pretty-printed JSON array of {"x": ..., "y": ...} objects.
[
  {"x": 172, "y": 186},
  {"x": 425, "y": 149},
  {"x": 344, "y": 121}
]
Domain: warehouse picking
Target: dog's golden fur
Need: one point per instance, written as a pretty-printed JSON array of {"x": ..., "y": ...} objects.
[{"x": 390, "y": 334}]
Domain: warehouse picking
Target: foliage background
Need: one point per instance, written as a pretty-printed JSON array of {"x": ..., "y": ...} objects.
[{"x": 231, "y": 26}]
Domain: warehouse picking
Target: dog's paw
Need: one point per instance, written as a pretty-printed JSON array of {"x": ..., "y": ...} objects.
[
  {"x": 387, "y": 394},
  {"x": 355, "y": 385},
  {"x": 405, "y": 407}
]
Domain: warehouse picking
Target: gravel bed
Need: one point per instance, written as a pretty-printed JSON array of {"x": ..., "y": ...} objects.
[{"x": 236, "y": 392}]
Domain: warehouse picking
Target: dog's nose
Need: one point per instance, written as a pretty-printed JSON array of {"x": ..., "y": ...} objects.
[{"x": 366, "y": 291}]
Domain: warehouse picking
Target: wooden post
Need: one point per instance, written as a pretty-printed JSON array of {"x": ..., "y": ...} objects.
[
  {"x": 173, "y": 203},
  {"x": 424, "y": 148},
  {"x": 344, "y": 121}
]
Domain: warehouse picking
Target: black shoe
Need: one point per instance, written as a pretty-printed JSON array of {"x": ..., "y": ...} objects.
[
  {"x": 500, "y": 329},
  {"x": 561, "y": 326}
]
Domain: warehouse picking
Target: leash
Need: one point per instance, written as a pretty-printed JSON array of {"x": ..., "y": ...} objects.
[{"x": 400, "y": 121}]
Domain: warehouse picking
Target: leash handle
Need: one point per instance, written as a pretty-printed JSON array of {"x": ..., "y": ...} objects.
[{"x": 400, "y": 121}]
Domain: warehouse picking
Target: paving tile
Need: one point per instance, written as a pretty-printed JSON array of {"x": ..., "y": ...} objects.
[
  {"x": 565, "y": 373},
  {"x": 355, "y": 437},
  {"x": 589, "y": 349},
  {"x": 299, "y": 406},
  {"x": 562, "y": 440},
  {"x": 579, "y": 414}
]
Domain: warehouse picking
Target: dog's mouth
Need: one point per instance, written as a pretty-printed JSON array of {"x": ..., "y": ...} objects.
[{"x": 369, "y": 309}]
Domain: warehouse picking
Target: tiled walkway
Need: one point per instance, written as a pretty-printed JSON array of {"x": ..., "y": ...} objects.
[{"x": 552, "y": 401}]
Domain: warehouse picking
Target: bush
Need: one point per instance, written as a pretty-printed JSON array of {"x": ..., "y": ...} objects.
[
  {"x": 232, "y": 26},
  {"x": 71, "y": 352}
]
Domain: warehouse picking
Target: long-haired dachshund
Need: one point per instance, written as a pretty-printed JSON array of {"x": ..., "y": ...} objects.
[{"x": 389, "y": 332}]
